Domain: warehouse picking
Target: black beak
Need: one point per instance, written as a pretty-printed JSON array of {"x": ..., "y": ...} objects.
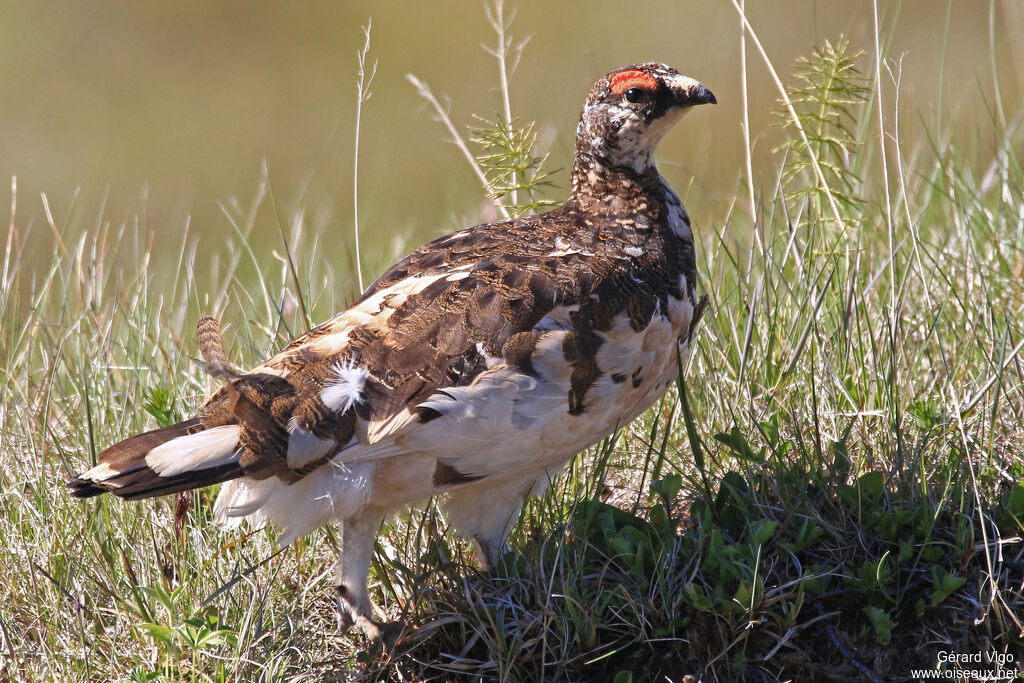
[{"x": 700, "y": 95}]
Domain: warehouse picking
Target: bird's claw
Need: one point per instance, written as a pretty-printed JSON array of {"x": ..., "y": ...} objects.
[{"x": 350, "y": 614}]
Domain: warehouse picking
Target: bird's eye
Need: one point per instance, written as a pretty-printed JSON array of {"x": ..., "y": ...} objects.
[{"x": 634, "y": 95}]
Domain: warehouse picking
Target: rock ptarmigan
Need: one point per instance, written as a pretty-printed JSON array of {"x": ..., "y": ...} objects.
[{"x": 473, "y": 369}]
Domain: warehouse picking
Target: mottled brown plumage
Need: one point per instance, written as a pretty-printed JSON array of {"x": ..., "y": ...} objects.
[
  {"x": 474, "y": 368},
  {"x": 211, "y": 346}
]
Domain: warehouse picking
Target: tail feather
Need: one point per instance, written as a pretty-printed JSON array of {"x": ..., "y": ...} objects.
[
  {"x": 146, "y": 484},
  {"x": 199, "y": 451},
  {"x": 212, "y": 348},
  {"x": 163, "y": 461}
]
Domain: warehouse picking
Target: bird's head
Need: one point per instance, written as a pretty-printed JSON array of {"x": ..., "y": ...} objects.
[{"x": 629, "y": 110}]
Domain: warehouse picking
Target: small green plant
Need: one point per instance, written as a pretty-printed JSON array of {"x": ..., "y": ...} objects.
[
  {"x": 944, "y": 584},
  {"x": 183, "y": 641},
  {"x": 882, "y": 624},
  {"x": 510, "y": 164},
  {"x": 827, "y": 100},
  {"x": 1013, "y": 507},
  {"x": 159, "y": 401}
]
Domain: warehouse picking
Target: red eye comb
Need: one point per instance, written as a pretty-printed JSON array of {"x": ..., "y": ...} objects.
[{"x": 625, "y": 80}]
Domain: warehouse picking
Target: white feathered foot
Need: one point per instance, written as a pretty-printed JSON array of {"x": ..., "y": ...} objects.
[{"x": 354, "y": 606}]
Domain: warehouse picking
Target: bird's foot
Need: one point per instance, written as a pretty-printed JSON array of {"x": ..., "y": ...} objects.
[
  {"x": 491, "y": 552},
  {"x": 358, "y": 613}
]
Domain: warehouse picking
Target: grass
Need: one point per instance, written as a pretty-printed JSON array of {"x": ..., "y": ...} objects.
[{"x": 834, "y": 491}]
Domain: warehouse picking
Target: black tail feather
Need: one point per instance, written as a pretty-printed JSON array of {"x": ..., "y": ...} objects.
[
  {"x": 145, "y": 483},
  {"x": 135, "y": 479}
]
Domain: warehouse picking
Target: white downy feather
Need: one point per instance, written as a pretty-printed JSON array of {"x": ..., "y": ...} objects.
[
  {"x": 335, "y": 491},
  {"x": 346, "y": 389}
]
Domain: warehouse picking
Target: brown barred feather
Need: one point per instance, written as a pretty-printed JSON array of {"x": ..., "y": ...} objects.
[{"x": 212, "y": 349}]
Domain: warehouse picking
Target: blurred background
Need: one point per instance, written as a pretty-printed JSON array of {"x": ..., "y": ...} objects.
[{"x": 167, "y": 111}]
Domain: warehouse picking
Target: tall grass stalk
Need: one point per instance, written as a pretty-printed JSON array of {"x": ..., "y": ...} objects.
[
  {"x": 426, "y": 93},
  {"x": 795, "y": 118},
  {"x": 362, "y": 96},
  {"x": 504, "y": 52}
]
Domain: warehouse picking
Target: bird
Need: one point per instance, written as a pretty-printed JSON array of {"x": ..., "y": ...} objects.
[{"x": 472, "y": 370}]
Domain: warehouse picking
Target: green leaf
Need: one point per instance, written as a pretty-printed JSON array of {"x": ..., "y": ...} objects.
[
  {"x": 762, "y": 531},
  {"x": 770, "y": 427},
  {"x": 661, "y": 520},
  {"x": 696, "y": 597},
  {"x": 906, "y": 551},
  {"x": 744, "y": 594},
  {"x": 872, "y": 486},
  {"x": 737, "y": 443},
  {"x": 212, "y": 638},
  {"x": 815, "y": 585},
  {"x": 668, "y": 487},
  {"x": 161, "y": 633},
  {"x": 944, "y": 584},
  {"x": 874, "y": 575},
  {"x": 882, "y": 624},
  {"x": 808, "y": 534},
  {"x": 139, "y": 674},
  {"x": 1015, "y": 501}
]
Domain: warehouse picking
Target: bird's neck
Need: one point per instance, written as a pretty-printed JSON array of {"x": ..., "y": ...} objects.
[{"x": 597, "y": 177}]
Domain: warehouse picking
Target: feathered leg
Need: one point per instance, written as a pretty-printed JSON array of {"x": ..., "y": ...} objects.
[
  {"x": 357, "y": 539},
  {"x": 486, "y": 512}
]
